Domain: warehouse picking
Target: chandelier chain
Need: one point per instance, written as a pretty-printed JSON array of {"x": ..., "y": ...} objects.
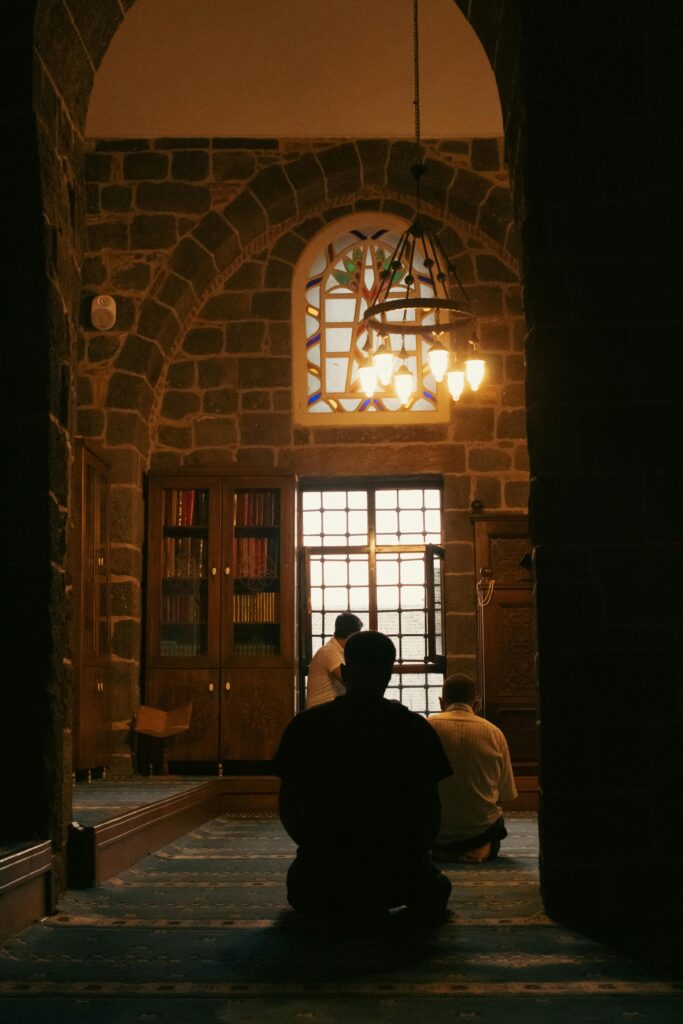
[{"x": 416, "y": 74}]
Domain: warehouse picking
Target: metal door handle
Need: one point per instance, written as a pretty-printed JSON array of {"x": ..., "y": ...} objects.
[
  {"x": 227, "y": 570},
  {"x": 227, "y": 686},
  {"x": 214, "y": 570},
  {"x": 210, "y": 687}
]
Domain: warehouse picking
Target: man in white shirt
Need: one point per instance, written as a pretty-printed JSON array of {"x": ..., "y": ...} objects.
[
  {"x": 472, "y": 823},
  {"x": 324, "y": 672}
]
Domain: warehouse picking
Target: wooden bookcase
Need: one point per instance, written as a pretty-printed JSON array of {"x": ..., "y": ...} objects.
[
  {"x": 220, "y": 611},
  {"x": 92, "y": 610}
]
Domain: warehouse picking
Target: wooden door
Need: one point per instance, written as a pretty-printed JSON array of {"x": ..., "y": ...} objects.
[
  {"x": 506, "y": 626},
  {"x": 256, "y": 705},
  {"x": 172, "y": 688}
]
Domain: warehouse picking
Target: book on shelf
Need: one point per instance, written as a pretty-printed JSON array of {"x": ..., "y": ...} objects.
[
  {"x": 256, "y": 508},
  {"x": 185, "y": 506},
  {"x": 257, "y": 608},
  {"x": 184, "y": 557},
  {"x": 257, "y": 556}
]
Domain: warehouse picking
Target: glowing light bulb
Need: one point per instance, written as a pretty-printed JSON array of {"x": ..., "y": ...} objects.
[
  {"x": 403, "y": 382},
  {"x": 474, "y": 368},
  {"x": 383, "y": 360},
  {"x": 438, "y": 360},
  {"x": 456, "y": 383},
  {"x": 368, "y": 378}
]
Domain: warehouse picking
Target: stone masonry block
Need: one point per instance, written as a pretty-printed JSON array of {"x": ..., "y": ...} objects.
[
  {"x": 274, "y": 192},
  {"x": 516, "y": 494},
  {"x": 141, "y": 356},
  {"x": 116, "y": 198},
  {"x": 126, "y": 428},
  {"x": 273, "y": 305},
  {"x": 134, "y": 277},
  {"x": 253, "y": 400},
  {"x": 181, "y": 375},
  {"x": 457, "y": 526},
  {"x": 175, "y": 437},
  {"x": 227, "y": 306},
  {"x": 107, "y": 235},
  {"x": 487, "y": 300},
  {"x": 204, "y": 341},
  {"x": 129, "y": 391},
  {"x": 90, "y": 422},
  {"x": 190, "y": 165},
  {"x": 215, "y": 234},
  {"x": 245, "y": 336},
  {"x": 127, "y": 516},
  {"x": 219, "y": 400},
  {"x": 488, "y": 460},
  {"x": 98, "y": 167},
  {"x": 194, "y": 263},
  {"x": 472, "y": 423},
  {"x": 173, "y": 197},
  {"x": 487, "y": 490},
  {"x": 308, "y": 180},
  {"x": 265, "y": 428},
  {"x": 459, "y": 557},
  {"x": 217, "y": 372},
  {"x": 512, "y": 424},
  {"x": 153, "y": 231},
  {"x": 125, "y": 599},
  {"x": 158, "y": 322},
  {"x": 125, "y": 641},
  {"x": 247, "y": 217},
  {"x": 230, "y": 166},
  {"x": 341, "y": 167},
  {"x": 374, "y": 154},
  {"x": 248, "y": 276},
  {"x": 264, "y": 373},
  {"x": 214, "y": 431},
  {"x": 456, "y": 493},
  {"x": 93, "y": 271},
  {"x": 490, "y": 268},
  {"x": 177, "y": 405},
  {"x": 278, "y": 274},
  {"x": 151, "y": 166},
  {"x": 485, "y": 155},
  {"x": 467, "y": 194}
]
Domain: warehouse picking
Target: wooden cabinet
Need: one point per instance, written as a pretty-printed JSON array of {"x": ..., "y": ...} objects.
[
  {"x": 220, "y": 611},
  {"x": 92, "y": 619},
  {"x": 506, "y": 626}
]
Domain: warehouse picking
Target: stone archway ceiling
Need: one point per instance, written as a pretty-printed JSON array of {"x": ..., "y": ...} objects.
[{"x": 256, "y": 68}]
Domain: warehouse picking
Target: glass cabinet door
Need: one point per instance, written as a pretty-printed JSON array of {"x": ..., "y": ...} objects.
[
  {"x": 256, "y": 561},
  {"x": 185, "y": 573}
]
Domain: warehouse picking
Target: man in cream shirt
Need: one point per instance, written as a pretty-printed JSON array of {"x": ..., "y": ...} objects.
[
  {"x": 472, "y": 823},
  {"x": 324, "y": 672}
]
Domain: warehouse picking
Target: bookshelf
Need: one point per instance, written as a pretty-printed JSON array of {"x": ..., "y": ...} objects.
[
  {"x": 219, "y": 604},
  {"x": 91, "y": 640}
]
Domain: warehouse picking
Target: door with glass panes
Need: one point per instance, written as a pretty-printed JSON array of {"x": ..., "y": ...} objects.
[{"x": 375, "y": 549}]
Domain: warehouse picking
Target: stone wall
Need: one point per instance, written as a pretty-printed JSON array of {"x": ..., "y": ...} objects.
[{"x": 197, "y": 240}]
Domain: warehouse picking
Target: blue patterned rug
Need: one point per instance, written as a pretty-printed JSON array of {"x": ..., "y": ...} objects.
[{"x": 200, "y": 931}]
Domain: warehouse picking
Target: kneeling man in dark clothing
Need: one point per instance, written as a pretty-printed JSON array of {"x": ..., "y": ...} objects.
[{"x": 359, "y": 797}]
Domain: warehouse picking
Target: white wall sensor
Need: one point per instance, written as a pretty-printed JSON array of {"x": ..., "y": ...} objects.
[{"x": 103, "y": 312}]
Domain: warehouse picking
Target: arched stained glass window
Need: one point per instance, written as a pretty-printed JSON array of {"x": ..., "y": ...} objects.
[{"x": 337, "y": 278}]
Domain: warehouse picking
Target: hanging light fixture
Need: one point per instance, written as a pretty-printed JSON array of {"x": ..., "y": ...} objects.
[{"x": 420, "y": 295}]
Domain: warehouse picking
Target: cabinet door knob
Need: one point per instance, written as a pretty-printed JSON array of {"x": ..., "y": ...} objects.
[
  {"x": 227, "y": 570},
  {"x": 227, "y": 686},
  {"x": 214, "y": 570},
  {"x": 210, "y": 687}
]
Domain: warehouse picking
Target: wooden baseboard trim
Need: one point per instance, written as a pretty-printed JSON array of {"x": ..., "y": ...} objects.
[{"x": 25, "y": 887}]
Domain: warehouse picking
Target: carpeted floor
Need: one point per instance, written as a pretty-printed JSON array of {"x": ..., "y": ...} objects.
[{"x": 200, "y": 931}]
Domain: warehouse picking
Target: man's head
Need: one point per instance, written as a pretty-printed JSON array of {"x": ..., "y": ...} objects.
[
  {"x": 369, "y": 658},
  {"x": 346, "y": 624},
  {"x": 458, "y": 690}
]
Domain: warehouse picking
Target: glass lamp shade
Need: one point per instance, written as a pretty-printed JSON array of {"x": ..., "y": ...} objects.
[
  {"x": 383, "y": 361},
  {"x": 438, "y": 360},
  {"x": 456, "y": 383},
  {"x": 403, "y": 382},
  {"x": 368, "y": 378},
  {"x": 474, "y": 368}
]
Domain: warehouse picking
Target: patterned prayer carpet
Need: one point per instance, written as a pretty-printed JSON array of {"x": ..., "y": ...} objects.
[{"x": 200, "y": 931}]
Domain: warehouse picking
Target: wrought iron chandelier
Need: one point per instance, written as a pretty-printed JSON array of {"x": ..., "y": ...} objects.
[{"x": 420, "y": 296}]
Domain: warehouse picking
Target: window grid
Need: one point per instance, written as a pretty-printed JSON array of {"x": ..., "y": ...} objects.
[{"x": 382, "y": 582}]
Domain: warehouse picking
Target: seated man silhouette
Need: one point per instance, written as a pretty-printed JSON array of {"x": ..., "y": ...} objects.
[
  {"x": 472, "y": 823},
  {"x": 359, "y": 797}
]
